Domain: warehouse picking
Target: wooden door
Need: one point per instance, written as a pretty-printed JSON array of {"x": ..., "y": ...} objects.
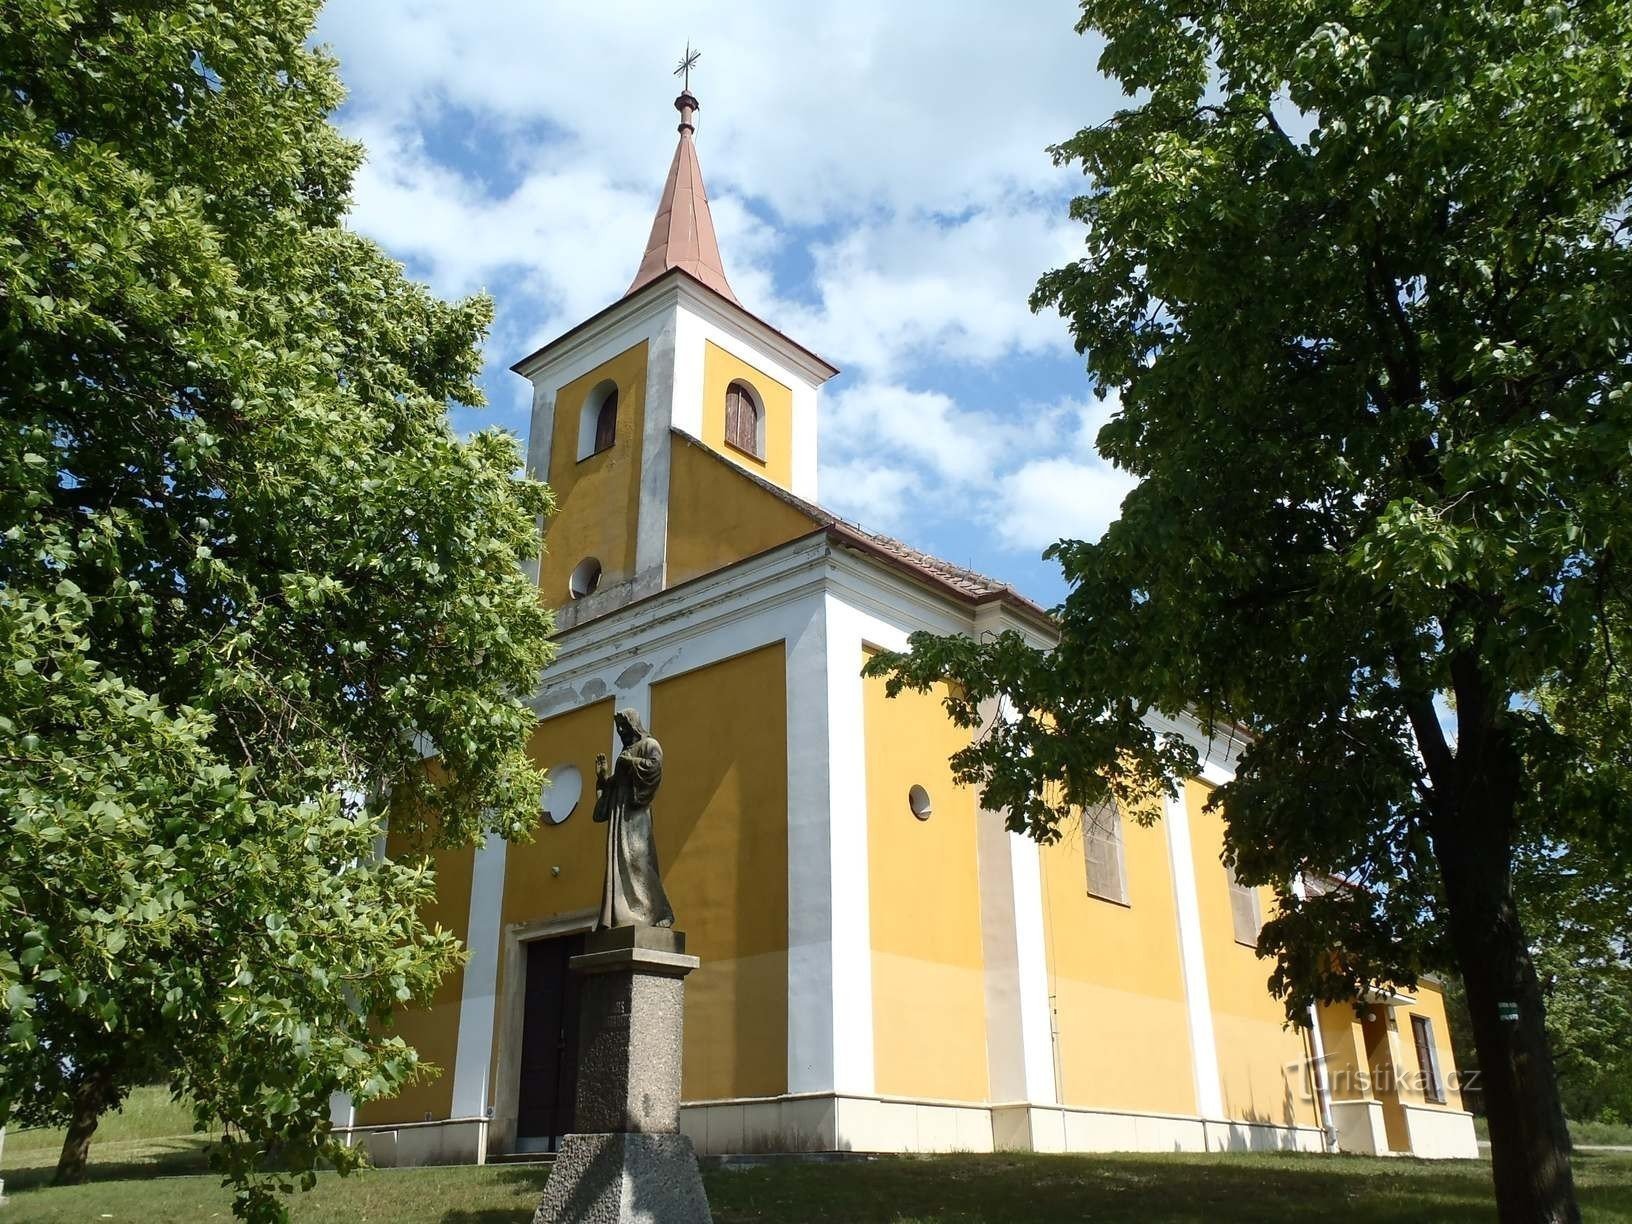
[{"x": 549, "y": 1043}]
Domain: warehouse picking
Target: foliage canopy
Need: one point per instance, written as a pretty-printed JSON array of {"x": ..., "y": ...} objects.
[{"x": 248, "y": 577}]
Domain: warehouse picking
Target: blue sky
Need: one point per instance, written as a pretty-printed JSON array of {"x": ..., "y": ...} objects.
[{"x": 880, "y": 184}]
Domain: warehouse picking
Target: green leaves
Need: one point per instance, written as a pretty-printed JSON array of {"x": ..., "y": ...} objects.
[
  {"x": 1360, "y": 278},
  {"x": 246, "y": 569}
]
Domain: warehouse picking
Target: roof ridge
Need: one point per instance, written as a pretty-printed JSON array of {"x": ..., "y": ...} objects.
[{"x": 959, "y": 578}]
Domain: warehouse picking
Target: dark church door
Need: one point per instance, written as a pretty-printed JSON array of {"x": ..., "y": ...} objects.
[{"x": 549, "y": 1045}]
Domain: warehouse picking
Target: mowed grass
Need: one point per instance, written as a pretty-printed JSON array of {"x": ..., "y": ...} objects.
[
  {"x": 139, "y": 1173},
  {"x": 957, "y": 1189},
  {"x": 1593, "y": 1134}
]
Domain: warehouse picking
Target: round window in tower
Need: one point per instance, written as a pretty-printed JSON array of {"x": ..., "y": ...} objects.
[
  {"x": 585, "y": 578},
  {"x": 918, "y": 801}
]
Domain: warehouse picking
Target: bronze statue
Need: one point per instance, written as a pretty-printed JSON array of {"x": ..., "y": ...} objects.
[{"x": 633, "y": 895}]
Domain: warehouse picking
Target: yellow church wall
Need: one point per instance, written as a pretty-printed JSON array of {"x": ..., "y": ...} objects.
[
  {"x": 1262, "y": 1062},
  {"x": 1116, "y": 979},
  {"x": 1346, "y": 1065},
  {"x": 720, "y": 368},
  {"x": 929, "y": 1005},
  {"x": 560, "y": 870},
  {"x": 598, "y": 498},
  {"x": 716, "y": 517},
  {"x": 721, "y": 831},
  {"x": 431, "y": 1026},
  {"x": 722, "y": 838}
]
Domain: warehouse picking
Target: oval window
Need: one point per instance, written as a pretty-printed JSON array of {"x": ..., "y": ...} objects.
[
  {"x": 585, "y": 578},
  {"x": 563, "y": 787},
  {"x": 918, "y": 801}
]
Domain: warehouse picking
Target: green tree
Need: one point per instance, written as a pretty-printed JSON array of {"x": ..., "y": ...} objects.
[
  {"x": 1360, "y": 274},
  {"x": 249, "y": 578},
  {"x": 1577, "y": 912},
  {"x": 1574, "y": 886}
]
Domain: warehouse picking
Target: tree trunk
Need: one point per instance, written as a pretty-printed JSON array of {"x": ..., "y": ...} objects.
[
  {"x": 91, "y": 1097},
  {"x": 1530, "y": 1145}
]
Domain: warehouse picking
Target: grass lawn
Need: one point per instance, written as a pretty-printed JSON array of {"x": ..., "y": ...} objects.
[
  {"x": 143, "y": 1170},
  {"x": 1611, "y": 1134}
]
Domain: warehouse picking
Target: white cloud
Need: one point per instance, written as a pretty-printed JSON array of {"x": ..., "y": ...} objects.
[
  {"x": 1046, "y": 500},
  {"x": 912, "y": 289},
  {"x": 1073, "y": 494},
  {"x": 1030, "y": 477},
  {"x": 822, "y": 110},
  {"x": 879, "y": 495},
  {"x": 896, "y": 424}
]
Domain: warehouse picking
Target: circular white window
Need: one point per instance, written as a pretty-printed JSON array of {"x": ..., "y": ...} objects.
[
  {"x": 563, "y": 787},
  {"x": 918, "y": 801},
  {"x": 585, "y": 578}
]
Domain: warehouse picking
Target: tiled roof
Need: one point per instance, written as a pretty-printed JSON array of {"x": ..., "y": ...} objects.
[{"x": 965, "y": 584}]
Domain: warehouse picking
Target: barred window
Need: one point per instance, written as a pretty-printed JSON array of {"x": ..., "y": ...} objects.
[
  {"x": 1102, "y": 847},
  {"x": 1244, "y": 911}
]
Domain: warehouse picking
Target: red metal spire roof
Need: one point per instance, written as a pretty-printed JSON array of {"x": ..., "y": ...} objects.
[{"x": 683, "y": 232}]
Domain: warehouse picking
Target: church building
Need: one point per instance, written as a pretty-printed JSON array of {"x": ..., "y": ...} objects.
[{"x": 885, "y": 967}]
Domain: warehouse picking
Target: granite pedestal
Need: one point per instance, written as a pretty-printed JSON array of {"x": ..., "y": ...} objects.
[{"x": 627, "y": 1162}]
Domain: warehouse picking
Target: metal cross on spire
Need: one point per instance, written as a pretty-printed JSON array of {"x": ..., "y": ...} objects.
[{"x": 687, "y": 61}]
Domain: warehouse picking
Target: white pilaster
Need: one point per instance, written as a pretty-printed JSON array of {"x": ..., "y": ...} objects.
[
  {"x": 342, "y": 1113},
  {"x": 852, "y": 896},
  {"x": 540, "y": 439},
  {"x": 1317, "y": 1053},
  {"x": 805, "y": 432},
  {"x": 1036, "y": 1025},
  {"x": 1020, "y": 1037},
  {"x": 1193, "y": 960},
  {"x": 474, "y": 1053},
  {"x": 830, "y": 986},
  {"x": 652, "y": 521},
  {"x": 690, "y": 337}
]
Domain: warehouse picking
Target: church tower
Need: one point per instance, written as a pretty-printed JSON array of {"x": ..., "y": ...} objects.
[{"x": 625, "y": 403}]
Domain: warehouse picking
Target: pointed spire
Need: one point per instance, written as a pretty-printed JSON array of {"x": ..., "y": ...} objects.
[{"x": 683, "y": 232}]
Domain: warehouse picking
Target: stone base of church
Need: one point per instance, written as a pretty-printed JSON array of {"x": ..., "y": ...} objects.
[
  {"x": 1054, "y": 1128},
  {"x": 1440, "y": 1134},
  {"x": 452, "y": 1141},
  {"x": 836, "y": 1122}
]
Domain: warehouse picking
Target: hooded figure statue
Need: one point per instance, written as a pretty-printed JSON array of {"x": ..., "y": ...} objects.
[{"x": 634, "y": 894}]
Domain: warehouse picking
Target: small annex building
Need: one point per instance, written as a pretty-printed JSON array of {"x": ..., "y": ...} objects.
[{"x": 884, "y": 966}]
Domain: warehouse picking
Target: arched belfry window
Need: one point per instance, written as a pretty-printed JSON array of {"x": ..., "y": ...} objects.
[
  {"x": 598, "y": 420},
  {"x": 744, "y": 420},
  {"x": 606, "y": 422}
]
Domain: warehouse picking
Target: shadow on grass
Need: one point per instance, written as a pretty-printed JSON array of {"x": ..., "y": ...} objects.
[
  {"x": 526, "y": 1181},
  {"x": 1008, "y": 1189},
  {"x": 1109, "y": 1189},
  {"x": 132, "y": 1159}
]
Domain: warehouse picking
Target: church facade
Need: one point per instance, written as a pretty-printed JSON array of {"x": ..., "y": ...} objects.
[{"x": 884, "y": 966}]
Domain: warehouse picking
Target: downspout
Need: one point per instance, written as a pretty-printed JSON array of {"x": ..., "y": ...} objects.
[{"x": 1317, "y": 1049}]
